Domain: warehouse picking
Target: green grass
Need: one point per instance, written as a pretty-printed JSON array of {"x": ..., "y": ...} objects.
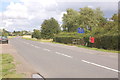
[
  {"x": 33, "y": 39},
  {"x": 9, "y": 67},
  {"x": 104, "y": 50}
]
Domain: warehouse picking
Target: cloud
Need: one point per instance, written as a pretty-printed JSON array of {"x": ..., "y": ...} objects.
[
  {"x": 29, "y": 14},
  {"x": 16, "y": 10},
  {"x": 88, "y": 0}
]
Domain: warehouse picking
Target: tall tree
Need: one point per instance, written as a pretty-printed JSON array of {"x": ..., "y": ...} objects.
[
  {"x": 86, "y": 18},
  {"x": 70, "y": 20},
  {"x": 92, "y": 17},
  {"x": 49, "y": 28}
]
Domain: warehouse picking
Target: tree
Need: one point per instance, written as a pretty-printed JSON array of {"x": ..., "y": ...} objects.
[
  {"x": 5, "y": 32},
  {"x": 36, "y": 34},
  {"x": 115, "y": 17},
  {"x": 49, "y": 28},
  {"x": 86, "y": 18},
  {"x": 70, "y": 20},
  {"x": 92, "y": 18}
]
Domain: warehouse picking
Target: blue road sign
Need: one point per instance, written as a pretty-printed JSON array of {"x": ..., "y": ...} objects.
[{"x": 80, "y": 30}]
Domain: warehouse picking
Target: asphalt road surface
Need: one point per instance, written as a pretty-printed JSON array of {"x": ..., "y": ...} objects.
[{"x": 61, "y": 61}]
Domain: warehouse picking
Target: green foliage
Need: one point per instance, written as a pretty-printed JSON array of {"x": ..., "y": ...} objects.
[
  {"x": 68, "y": 38},
  {"x": 107, "y": 42},
  {"x": 85, "y": 18},
  {"x": 103, "y": 39},
  {"x": 105, "y": 32},
  {"x": 4, "y": 32},
  {"x": 70, "y": 20},
  {"x": 36, "y": 34},
  {"x": 115, "y": 17},
  {"x": 49, "y": 28},
  {"x": 20, "y": 33}
]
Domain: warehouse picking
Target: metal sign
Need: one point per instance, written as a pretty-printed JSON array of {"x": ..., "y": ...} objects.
[{"x": 80, "y": 30}]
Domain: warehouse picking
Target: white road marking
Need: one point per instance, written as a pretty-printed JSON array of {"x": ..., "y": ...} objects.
[
  {"x": 58, "y": 53},
  {"x": 36, "y": 47},
  {"x": 46, "y": 49},
  {"x": 101, "y": 66},
  {"x": 63, "y": 54},
  {"x": 25, "y": 42},
  {"x": 32, "y": 45}
]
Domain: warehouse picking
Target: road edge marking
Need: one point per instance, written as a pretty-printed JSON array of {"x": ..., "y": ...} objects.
[
  {"x": 46, "y": 49},
  {"x": 101, "y": 66}
]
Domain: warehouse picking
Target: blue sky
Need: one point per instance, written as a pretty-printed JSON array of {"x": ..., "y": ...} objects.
[
  {"x": 29, "y": 14},
  {"x": 3, "y": 6},
  {"x": 5, "y": 3}
]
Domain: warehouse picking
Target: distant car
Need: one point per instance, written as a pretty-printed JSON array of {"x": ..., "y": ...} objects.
[{"x": 3, "y": 39}]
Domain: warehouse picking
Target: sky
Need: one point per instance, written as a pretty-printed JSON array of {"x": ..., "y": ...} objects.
[{"x": 29, "y": 14}]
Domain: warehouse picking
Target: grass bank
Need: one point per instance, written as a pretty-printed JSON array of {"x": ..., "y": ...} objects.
[{"x": 9, "y": 67}]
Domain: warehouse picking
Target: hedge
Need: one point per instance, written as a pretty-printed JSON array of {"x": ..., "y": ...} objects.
[
  {"x": 107, "y": 42},
  {"x": 101, "y": 41},
  {"x": 69, "y": 40}
]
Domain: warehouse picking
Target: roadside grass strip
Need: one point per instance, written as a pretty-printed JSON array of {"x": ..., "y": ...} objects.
[{"x": 9, "y": 67}]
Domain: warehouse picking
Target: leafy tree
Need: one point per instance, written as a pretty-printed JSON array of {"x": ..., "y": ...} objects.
[
  {"x": 86, "y": 18},
  {"x": 36, "y": 34},
  {"x": 70, "y": 20},
  {"x": 115, "y": 17},
  {"x": 49, "y": 28},
  {"x": 92, "y": 18},
  {"x": 5, "y": 32}
]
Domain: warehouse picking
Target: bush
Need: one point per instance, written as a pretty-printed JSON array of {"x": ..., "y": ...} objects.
[
  {"x": 70, "y": 38},
  {"x": 101, "y": 41},
  {"x": 107, "y": 42},
  {"x": 36, "y": 34}
]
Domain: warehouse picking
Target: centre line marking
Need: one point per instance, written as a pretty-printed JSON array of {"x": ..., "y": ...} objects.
[
  {"x": 25, "y": 42},
  {"x": 101, "y": 66},
  {"x": 46, "y": 49},
  {"x": 36, "y": 47},
  {"x": 32, "y": 45},
  {"x": 58, "y": 53},
  {"x": 63, "y": 55}
]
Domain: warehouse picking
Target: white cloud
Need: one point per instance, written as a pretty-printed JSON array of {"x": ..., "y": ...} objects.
[
  {"x": 90, "y": 6},
  {"x": 88, "y": 0},
  {"x": 29, "y": 14},
  {"x": 16, "y": 10}
]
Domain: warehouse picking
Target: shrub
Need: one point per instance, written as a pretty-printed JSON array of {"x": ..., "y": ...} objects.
[{"x": 101, "y": 41}]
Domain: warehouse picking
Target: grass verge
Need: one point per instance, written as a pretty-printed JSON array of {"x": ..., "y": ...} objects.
[
  {"x": 104, "y": 50},
  {"x": 8, "y": 69},
  {"x": 50, "y": 40}
]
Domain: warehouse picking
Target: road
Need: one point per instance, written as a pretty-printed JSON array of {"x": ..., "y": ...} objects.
[{"x": 61, "y": 61}]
